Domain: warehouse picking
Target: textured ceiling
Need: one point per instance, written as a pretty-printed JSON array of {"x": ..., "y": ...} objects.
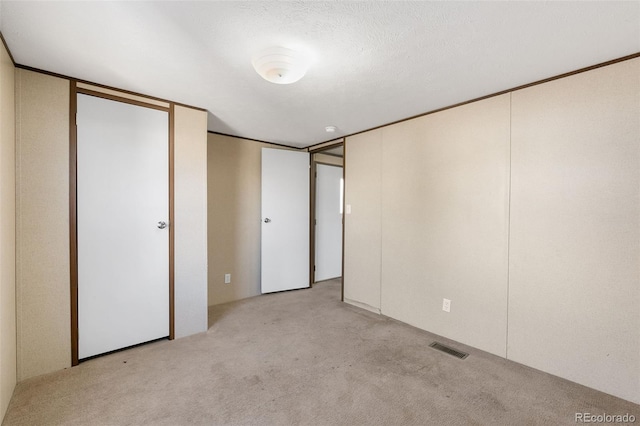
[{"x": 376, "y": 62}]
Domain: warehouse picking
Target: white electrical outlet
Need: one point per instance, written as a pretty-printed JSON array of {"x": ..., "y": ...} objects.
[
  {"x": 446, "y": 305},
  {"x": 348, "y": 209},
  {"x": 227, "y": 278}
]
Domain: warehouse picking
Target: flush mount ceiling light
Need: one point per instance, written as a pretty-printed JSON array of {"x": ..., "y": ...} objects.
[
  {"x": 281, "y": 65},
  {"x": 330, "y": 129}
]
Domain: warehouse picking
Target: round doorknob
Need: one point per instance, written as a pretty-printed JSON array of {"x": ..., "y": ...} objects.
[
  {"x": 162, "y": 225},
  {"x": 267, "y": 220}
]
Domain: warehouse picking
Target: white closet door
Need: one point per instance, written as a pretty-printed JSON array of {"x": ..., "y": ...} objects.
[
  {"x": 328, "y": 222},
  {"x": 123, "y": 254},
  {"x": 285, "y": 220}
]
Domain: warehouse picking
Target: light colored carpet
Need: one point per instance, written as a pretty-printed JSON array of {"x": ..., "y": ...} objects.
[{"x": 302, "y": 357}]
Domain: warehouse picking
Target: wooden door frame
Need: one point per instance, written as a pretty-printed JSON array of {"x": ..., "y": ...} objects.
[
  {"x": 312, "y": 215},
  {"x": 73, "y": 203}
]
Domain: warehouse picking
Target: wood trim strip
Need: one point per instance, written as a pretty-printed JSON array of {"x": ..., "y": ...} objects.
[
  {"x": 73, "y": 219},
  {"x": 254, "y": 140},
  {"x": 327, "y": 153},
  {"x": 328, "y": 164},
  {"x": 122, "y": 95},
  {"x": 53, "y": 74},
  {"x": 344, "y": 211},
  {"x": 324, "y": 148},
  {"x": 172, "y": 227},
  {"x": 6, "y": 46},
  {"x": 317, "y": 146},
  {"x": 524, "y": 86},
  {"x": 312, "y": 220},
  {"x": 119, "y": 99}
]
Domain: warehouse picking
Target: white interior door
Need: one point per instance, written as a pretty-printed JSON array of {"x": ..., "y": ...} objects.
[
  {"x": 285, "y": 220},
  {"x": 123, "y": 251},
  {"x": 328, "y": 237}
]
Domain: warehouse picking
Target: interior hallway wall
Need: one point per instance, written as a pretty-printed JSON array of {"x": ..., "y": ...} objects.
[
  {"x": 362, "y": 220},
  {"x": 190, "y": 203},
  {"x": 573, "y": 235},
  {"x": 43, "y": 277},
  {"x": 234, "y": 222},
  {"x": 7, "y": 231}
]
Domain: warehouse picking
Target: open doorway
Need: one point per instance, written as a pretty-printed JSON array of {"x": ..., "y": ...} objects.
[{"x": 327, "y": 196}]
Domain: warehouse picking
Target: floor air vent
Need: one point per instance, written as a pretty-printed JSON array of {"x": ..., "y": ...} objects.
[{"x": 448, "y": 350}]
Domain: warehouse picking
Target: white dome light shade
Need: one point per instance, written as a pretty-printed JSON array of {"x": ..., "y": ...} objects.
[{"x": 281, "y": 65}]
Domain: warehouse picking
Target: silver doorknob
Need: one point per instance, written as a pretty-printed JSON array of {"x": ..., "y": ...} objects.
[
  {"x": 162, "y": 225},
  {"x": 267, "y": 220}
]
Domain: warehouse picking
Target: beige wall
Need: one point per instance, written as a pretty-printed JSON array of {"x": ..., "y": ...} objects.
[
  {"x": 362, "y": 230},
  {"x": 43, "y": 301},
  {"x": 234, "y": 167},
  {"x": 544, "y": 272},
  {"x": 7, "y": 231},
  {"x": 190, "y": 203},
  {"x": 444, "y": 222},
  {"x": 428, "y": 196},
  {"x": 574, "y": 294}
]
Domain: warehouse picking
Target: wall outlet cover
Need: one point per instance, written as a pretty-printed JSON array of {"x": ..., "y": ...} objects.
[{"x": 446, "y": 305}]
